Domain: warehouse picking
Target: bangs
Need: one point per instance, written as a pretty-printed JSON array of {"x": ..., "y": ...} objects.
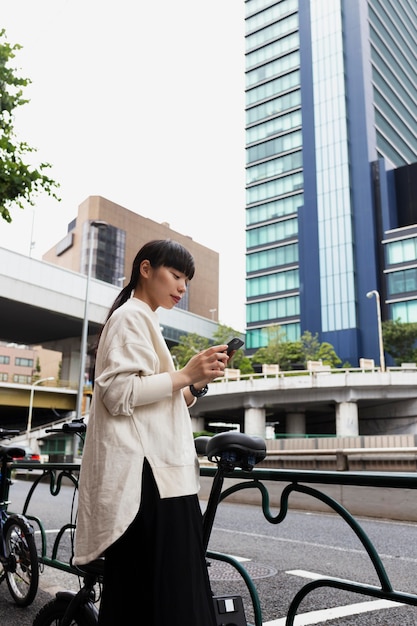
[{"x": 173, "y": 254}]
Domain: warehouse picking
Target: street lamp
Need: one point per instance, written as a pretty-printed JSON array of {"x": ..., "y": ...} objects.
[
  {"x": 83, "y": 349},
  {"x": 380, "y": 340},
  {"x": 32, "y": 392}
]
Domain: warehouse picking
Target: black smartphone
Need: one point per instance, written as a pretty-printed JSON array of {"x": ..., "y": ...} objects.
[{"x": 234, "y": 344}]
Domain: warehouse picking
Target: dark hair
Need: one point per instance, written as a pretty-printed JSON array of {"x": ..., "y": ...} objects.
[{"x": 160, "y": 252}]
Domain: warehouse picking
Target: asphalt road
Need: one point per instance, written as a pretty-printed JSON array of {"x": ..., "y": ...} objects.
[{"x": 280, "y": 558}]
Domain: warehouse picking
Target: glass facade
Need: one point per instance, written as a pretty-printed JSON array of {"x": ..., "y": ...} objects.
[
  {"x": 274, "y": 168},
  {"x": 337, "y": 285},
  {"x": 108, "y": 262},
  {"x": 331, "y": 89},
  {"x": 393, "y": 38},
  {"x": 401, "y": 276}
]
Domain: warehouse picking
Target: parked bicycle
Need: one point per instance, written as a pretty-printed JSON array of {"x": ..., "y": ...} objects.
[
  {"x": 229, "y": 450},
  {"x": 18, "y": 555}
]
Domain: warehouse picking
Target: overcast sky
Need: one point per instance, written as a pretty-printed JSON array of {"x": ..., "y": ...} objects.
[{"x": 142, "y": 103}]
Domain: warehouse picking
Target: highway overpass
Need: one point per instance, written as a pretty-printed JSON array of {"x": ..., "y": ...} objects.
[{"x": 43, "y": 304}]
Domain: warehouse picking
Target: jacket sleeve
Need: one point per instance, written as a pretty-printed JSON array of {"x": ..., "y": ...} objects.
[{"x": 129, "y": 372}]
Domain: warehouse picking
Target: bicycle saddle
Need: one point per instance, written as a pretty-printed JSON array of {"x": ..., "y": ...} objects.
[
  {"x": 236, "y": 449},
  {"x": 12, "y": 451}
]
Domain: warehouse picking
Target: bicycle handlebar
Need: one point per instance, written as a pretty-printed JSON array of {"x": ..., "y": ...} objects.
[
  {"x": 76, "y": 426},
  {"x": 6, "y": 432}
]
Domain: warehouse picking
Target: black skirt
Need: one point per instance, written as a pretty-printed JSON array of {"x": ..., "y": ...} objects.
[{"x": 156, "y": 573}]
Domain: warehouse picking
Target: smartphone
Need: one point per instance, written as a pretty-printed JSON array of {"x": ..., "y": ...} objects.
[{"x": 234, "y": 344}]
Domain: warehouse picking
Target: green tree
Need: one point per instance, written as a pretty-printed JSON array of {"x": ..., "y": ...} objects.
[
  {"x": 188, "y": 346},
  {"x": 400, "y": 340},
  {"x": 327, "y": 354},
  {"x": 271, "y": 352},
  {"x": 310, "y": 346},
  {"x": 291, "y": 355},
  {"x": 19, "y": 182}
]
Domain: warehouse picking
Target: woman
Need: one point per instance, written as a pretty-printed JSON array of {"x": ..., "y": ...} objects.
[{"x": 138, "y": 502}]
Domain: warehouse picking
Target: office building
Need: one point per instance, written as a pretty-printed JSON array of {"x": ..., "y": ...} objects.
[
  {"x": 331, "y": 106},
  {"x": 25, "y": 364},
  {"x": 116, "y": 245}
]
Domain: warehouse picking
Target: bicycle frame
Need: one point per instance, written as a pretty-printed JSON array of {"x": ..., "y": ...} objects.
[{"x": 233, "y": 450}]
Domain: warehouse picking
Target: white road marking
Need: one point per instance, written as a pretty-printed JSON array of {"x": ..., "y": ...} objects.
[
  {"x": 314, "y": 544},
  {"x": 324, "y": 615}
]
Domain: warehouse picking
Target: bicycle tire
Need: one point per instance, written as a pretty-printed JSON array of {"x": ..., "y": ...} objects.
[
  {"x": 22, "y": 570},
  {"x": 52, "y": 613}
]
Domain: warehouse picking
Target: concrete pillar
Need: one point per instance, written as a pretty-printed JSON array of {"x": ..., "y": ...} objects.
[
  {"x": 295, "y": 423},
  {"x": 197, "y": 424},
  {"x": 255, "y": 422},
  {"x": 347, "y": 421}
]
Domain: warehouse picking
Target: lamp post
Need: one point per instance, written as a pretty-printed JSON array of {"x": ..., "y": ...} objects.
[
  {"x": 375, "y": 293},
  {"x": 32, "y": 392},
  {"x": 83, "y": 349}
]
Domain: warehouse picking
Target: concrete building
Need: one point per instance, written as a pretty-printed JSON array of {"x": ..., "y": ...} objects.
[
  {"x": 115, "y": 247},
  {"x": 25, "y": 364},
  {"x": 331, "y": 106}
]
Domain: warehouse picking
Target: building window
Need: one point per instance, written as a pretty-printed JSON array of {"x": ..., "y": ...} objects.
[
  {"x": 272, "y": 283},
  {"x": 285, "y": 143},
  {"x": 276, "y": 106},
  {"x": 404, "y": 311},
  {"x": 273, "y": 309},
  {"x": 21, "y": 362},
  {"x": 272, "y": 210},
  {"x": 402, "y": 281},
  {"x": 258, "y": 337},
  {"x": 275, "y": 167},
  {"x": 282, "y": 255},
  {"x": 4, "y": 360},
  {"x": 401, "y": 251},
  {"x": 271, "y": 233},
  {"x": 4, "y": 377},
  {"x": 23, "y": 380}
]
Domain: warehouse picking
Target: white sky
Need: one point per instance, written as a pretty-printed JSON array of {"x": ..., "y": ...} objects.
[{"x": 142, "y": 103}]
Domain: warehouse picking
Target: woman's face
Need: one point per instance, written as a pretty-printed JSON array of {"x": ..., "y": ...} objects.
[{"x": 161, "y": 287}]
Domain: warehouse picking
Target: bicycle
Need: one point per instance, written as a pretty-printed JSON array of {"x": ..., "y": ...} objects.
[
  {"x": 229, "y": 450},
  {"x": 19, "y": 564}
]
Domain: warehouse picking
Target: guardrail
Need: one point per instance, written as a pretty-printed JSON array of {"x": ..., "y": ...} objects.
[
  {"x": 272, "y": 371},
  {"x": 342, "y": 455},
  {"x": 310, "y": 484}
]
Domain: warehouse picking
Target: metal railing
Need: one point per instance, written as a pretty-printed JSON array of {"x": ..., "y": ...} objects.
[
  {"x": 309, "y": 483},
  {"x": 342, "y": 456}
]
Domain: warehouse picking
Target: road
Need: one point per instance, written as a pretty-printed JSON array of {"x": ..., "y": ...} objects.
[{"x": 280, "y": 558}]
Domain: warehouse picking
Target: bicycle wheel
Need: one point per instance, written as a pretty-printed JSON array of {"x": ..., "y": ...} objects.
[
  {"x": 52, "y": 613},
  {"x": 22, "y": 569}
]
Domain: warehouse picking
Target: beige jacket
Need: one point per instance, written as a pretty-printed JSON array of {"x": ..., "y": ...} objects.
[{"x": 134, "y": 414}]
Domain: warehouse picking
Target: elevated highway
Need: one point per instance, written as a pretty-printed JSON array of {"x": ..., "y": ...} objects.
[
  {"x": 341, "y": 403},
  {"x": 336, "y": 402},
  {"x": 43, "y": 304}
]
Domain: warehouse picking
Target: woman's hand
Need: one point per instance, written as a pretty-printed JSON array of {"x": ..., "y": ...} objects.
[{"x": 201, "y": 369}]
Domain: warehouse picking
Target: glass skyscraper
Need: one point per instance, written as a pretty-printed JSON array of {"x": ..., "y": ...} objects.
[{"x": 331, "y": 114}]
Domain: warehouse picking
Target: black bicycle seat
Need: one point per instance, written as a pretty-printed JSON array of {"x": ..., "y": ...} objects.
[
  {"x": 236, "y": 449},
  {"x": 201, "y": 444},
  {"x": 12, "y": 451}
]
